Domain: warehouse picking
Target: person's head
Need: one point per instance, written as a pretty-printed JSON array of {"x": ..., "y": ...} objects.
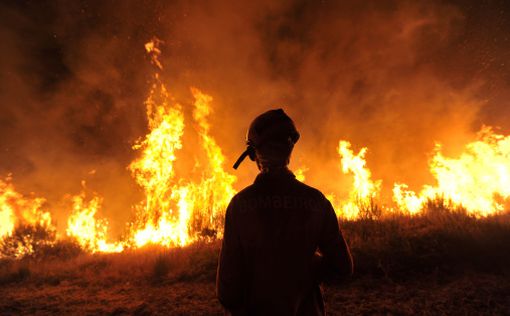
[{"x": 270, "y": 139}]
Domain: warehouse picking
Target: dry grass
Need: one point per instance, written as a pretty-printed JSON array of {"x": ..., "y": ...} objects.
[{"x": 443, "y": 262}]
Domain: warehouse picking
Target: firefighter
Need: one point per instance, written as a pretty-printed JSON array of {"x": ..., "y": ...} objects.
[{"x": 281, "y": 237}]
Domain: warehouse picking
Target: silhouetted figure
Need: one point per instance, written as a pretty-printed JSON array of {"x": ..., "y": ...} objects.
[{"x": 281, "y": 236}]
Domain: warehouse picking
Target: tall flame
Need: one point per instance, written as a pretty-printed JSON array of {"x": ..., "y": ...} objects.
[
  {"x": 364, "y": 189},
  {"x": 214, "y": 191},
  {"x": 158, "y": 219},
  {"x": 176, "y": 210}
]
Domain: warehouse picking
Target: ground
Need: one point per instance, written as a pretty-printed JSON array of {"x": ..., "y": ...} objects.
[
  {"x": 465, "y": 295},
  {"x": 447, "y": 265}
]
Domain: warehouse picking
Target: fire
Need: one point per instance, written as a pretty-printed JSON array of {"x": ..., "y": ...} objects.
[
  {"x": 300, "y": 173},
  {"x": 177, "y": 211},
  {"x": 154, "y": 171},
  {"x": 91, "y": 234},
  {"x": 182, "y": 206},
  {"x": 407, "y": 200},
  {"x": 152, "y": 48},
  {"x": 478, "y": 180},
  {"x": 15, "y": 209},
  {"x": 364, "y": 189},
  {"x": 214, "y": 191}
]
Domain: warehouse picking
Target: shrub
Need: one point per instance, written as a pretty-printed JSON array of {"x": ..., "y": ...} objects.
[
  {"x": 161, "y": 267},
  {"x": 27, "y": 240}
]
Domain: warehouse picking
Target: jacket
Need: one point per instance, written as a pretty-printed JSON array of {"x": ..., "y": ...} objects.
[{"x": 281, "y": 239}]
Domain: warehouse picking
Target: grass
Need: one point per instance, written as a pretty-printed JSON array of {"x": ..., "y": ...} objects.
[
  {"x": 441, "y": 262},
  {"x": 400, "y": 247}
]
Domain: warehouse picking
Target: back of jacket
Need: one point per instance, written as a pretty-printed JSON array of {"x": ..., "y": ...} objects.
[{"x": 268, "y": 262}]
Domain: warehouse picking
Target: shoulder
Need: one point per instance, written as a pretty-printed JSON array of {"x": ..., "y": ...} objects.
[
  {"x": 315, "y": 199},
  {"x": 310, "y": 191},
  {"x": 245, "y": 193},
  {"x": 241, "y": 198}
]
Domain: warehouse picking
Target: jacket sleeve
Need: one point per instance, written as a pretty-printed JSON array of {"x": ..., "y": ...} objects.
[
  {"x": 229, "y": 279},
  {"x": 335, "y": 256}
]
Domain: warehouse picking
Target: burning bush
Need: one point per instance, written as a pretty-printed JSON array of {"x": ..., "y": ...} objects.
[
  {"x": 27, "y": 240},
  {"x": 37, "y": 241}
]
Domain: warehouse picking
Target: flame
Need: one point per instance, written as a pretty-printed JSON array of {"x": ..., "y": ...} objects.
[
  {"x": 152, "y": 48},
  {"x": 177, "y": 211},
  {"x": 215, "y": 189},
  {"x": 158, "y": 220},
  {"x": 478, "y": 180},
  {"x": 407, "y": 200},
  {"x": 180, "y": 207},
  {"x": 91, "y": 234},
  {"x": 300, "y": 173},
  {"x": 15, "y": 209},
  {"x": 364, "y": 189}
]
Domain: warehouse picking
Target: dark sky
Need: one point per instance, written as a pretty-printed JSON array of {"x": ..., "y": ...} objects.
[{"x": 395, "y": 76}]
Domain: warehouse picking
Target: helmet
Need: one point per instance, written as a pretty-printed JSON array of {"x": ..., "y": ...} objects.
[{"x": 273, "y": 126}]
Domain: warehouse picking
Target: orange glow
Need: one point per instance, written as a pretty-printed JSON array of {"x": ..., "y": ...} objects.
[{"x": 183, "y": 206}]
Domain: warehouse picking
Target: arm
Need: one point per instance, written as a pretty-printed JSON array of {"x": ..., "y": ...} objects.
[
  {"x": 229, "y": 279},
  {"x": 335, "y": 260}
]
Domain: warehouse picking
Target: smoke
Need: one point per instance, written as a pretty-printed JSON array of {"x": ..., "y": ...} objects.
[{"x": 395, "y": 76}]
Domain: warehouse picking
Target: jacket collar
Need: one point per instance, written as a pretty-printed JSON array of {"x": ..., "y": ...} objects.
[{"x": 275, "y": 175}]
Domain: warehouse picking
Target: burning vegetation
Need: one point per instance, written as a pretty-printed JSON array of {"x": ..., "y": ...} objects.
[
  {"x": 477, "y": 181},
  {"x": 178, "y": 210}
]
